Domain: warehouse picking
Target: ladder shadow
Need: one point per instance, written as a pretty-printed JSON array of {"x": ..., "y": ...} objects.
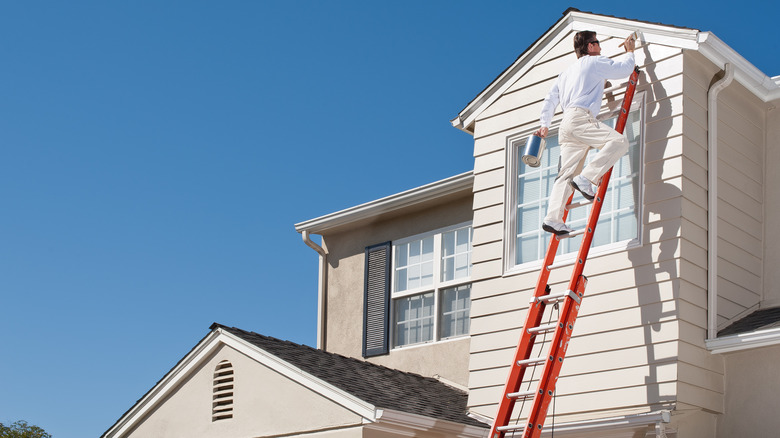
[{"x": 651, "y": 270}]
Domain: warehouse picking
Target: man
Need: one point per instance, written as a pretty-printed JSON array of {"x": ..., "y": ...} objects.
[{"x": 579, "y": 91}]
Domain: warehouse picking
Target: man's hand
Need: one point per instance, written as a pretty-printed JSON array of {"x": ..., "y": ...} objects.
[
  {"x": 541, "y": 132},
  {"x": 629, "y": 43}
]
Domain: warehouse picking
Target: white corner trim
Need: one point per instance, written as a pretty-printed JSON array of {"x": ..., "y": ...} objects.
[
  {"x": 410, "y": 197},
  {"x": 744, "y": 341},
  {"x": 407, "y": 424}
]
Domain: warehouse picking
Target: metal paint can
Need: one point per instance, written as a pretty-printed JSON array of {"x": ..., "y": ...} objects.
[{"x": 534, "y": 148}]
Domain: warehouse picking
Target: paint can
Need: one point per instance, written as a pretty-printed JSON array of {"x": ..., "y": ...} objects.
[{"x": 534, "y": 148}]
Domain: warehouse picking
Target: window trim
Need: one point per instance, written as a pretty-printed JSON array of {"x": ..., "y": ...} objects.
[
  {"x": 437, "y": 287},
  {"x": 510, "y": 210}
]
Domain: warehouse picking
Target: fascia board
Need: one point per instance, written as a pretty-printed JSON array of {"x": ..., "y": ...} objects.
[
  {"x": 354, "y": 404},
  {"x": 488, "y": 96},
  {"x": 574, "y": 21},
  {"x": 649, "y": 32},
  {"x": 761, "y": 85},
  {"x": 169, "y": 382},
  {"x": 203, "y": 350},
  {"x": 744, "y": 341},
  {"x": 408, "y": 424},
  {"x": 387, "y": 204}
]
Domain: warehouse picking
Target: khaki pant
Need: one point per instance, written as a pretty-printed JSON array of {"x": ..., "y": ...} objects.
[{"x": 579, "y": 132}]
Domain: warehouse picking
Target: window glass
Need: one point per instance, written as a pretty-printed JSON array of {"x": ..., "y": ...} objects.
[
  {"x": 456, "y": 303},
  {"x": 414, "y": 319},
  {"x": 431, "y": 286},
  {"x": 619, "y": 215}
]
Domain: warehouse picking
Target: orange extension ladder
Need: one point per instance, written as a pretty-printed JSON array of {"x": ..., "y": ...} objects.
[{"x": 562, "y": 330}]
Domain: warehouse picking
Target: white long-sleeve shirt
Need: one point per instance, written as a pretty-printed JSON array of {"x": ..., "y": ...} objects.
[{"x": 582, "y": 84}]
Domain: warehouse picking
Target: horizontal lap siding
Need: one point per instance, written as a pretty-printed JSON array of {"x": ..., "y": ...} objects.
[
  {"x": 625, "y": 346},
  {"x": 740, "y": 203}
]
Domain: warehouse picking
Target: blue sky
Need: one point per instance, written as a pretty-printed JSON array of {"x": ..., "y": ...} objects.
[{"x": 154, "y": 157}]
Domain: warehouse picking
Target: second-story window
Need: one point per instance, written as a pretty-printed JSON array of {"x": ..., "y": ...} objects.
[
  {"x": 529, "y": 190},
  {"x": 431, "y": 289}
]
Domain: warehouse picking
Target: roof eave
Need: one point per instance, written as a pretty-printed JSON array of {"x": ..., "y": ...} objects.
[
  {"x": 451, "y": 185},
  {"x": 758, "y": 83},
  {"x": 397, "y": 422},
  {"x": 198, "y": 355},
  {"x": 765, "y": 88}
]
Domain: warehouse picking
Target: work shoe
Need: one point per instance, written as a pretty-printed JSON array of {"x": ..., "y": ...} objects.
[
  {"x": 557, "y": 228},
  {"x": 582, "y": 185}
]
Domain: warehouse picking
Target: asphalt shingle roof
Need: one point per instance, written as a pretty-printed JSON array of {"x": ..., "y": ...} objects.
[
  {"x": 380, "y": 386},
  {"x": 758, "y": 320}
]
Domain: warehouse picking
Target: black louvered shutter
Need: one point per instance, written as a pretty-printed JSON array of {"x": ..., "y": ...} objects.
[{"x": 376, "y": 305}]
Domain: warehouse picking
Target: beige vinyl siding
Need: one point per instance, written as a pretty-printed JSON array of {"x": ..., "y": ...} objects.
[
  {"x": 740, "y": 192},
  {"x": 623, "y": 357},
  {"x": 740, "y": 235}
]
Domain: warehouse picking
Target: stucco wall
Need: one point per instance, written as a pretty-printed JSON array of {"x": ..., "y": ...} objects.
[
  {"x": 346, "y": 288},
  {"x": 623, "y": 357},
  {"x": 754, "y": 394}
]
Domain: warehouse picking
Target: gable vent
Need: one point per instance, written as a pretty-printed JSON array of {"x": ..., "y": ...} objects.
[{"x": 222, "y": 394}]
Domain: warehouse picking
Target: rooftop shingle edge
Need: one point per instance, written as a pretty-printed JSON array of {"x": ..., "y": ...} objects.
[
  {"x": 381, "y": 386},
  {"x": 760, "y": 319}
]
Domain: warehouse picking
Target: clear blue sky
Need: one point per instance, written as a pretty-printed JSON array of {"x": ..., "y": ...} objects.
[{"x": 154, "y": 156}]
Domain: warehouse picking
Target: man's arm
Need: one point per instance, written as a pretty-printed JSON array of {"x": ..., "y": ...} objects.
[{"x": 548, "y": 109}]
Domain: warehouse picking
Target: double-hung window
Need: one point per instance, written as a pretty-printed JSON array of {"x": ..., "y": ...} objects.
[
  {"x": 529, "y": 191},
  {"x": 431, "y": 287}
]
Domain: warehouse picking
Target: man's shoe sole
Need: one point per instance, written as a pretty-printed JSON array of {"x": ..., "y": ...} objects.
[
  {"x": 549, "y": 229},
  {"x": 584, "y": 195}
]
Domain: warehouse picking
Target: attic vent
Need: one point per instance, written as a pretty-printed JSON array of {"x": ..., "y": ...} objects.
[{"x": 222, "y": 395}]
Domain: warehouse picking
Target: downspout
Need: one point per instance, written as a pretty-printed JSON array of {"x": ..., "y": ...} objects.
[
  {"x": 712, "y": 201},
  {"x": 321, "y": 285}
]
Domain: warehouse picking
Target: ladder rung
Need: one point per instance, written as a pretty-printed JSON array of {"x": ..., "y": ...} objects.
[
  {"x": 543, "y": 328},
  {"x": 579, "y": 204},
  {"x": 521, "y": 394},
  {"x": 534, "y": 361},
  {"x": 560, "y": 296},
  {"x": 510, "y": 427}
]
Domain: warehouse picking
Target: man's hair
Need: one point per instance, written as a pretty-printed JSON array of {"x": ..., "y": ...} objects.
[{"x": 581, "y": 40}]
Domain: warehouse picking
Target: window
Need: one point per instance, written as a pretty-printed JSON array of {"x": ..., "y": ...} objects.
[
  {"x": 529, "y": 190},
  {"x": 431, "y": 286},
  {"x": 222, "y": 392}
]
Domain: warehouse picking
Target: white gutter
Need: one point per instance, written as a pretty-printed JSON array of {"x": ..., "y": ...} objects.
[
  {"x": 321, "y": 285},
  {"x": 744, "y": 341},
  {"x": 712, "y": 194},
  {"x": 418, "y": 195}
]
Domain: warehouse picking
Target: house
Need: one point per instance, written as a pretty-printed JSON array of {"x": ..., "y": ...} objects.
[{"x": 425, "y": 291}]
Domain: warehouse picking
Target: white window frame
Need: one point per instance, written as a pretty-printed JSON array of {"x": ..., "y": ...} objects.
[
  {"x": 437, "y": 287},
  {"x": 516, "y": 142}
]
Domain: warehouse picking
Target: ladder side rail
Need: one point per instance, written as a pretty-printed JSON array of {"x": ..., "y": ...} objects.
[
  {"x": 598, "y": 202},
  {"x": 552, "y": 368},
  {"x": 571, "y": 309},
  {"x": 527, "y": 340}
]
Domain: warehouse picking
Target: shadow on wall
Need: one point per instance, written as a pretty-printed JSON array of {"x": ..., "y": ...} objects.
[{"x": 649, "y": 270}]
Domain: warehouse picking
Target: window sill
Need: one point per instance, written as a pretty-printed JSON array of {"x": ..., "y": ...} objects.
[
  {"x": 568, "y": 259},
  {"x": 429, "y": 343}
]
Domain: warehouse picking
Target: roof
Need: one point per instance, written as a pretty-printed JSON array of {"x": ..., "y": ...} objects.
[
  {"x": 767, "y": 89},
  {"x": 416, "y": 196},
  {"x": 759, "y": 320},
  {"x": 381, "y": 386}
]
